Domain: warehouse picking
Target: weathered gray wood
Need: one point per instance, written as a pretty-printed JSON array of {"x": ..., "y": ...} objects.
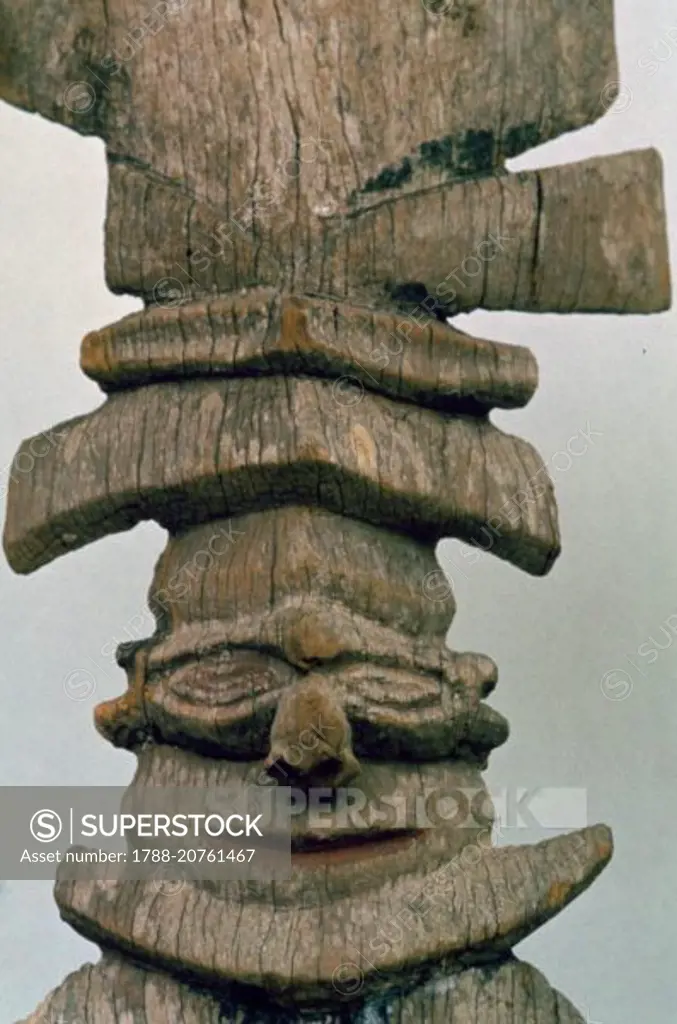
[
  {"x": 507, "y": 992},
  {"x": 248, "y": 566},
  {"x": 587, "y": 237},
  {"x": 346, "y": 76},
  {"x": 344, "y": 164},
  {"x": 397, "y": 911},
  {"x": 408, "y": 356},
  {"x": 288, "y": 199},
  {"x": 225, "y": 447},
  {"x": 245, "y": 607},
  {"x": 226, "y": 704},
  {"x": 398, "y": 797}
]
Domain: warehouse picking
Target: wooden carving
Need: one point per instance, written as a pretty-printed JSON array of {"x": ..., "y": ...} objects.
[{"x": 301, "y": 192}]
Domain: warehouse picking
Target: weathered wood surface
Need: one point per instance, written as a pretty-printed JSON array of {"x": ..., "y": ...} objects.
[
  {"x": 210, "y": 449},
  {"x": 344, "y": 164},
  {"x": 225, "y": 705},
  {"x": 345, "y": 76},
  {"x": 587, "y": 237},
  {"x": 523, "y": 76},
  {"x": 353, "y": 168},
  {"x": 398, "y": 911},
  {"x": 443, "y": 805},
  {"x": 246, "y": 567},
  {"x": 246, "y": 607},
  {"x": 120, "y": 992},
  {"x": 411, "y": 357}
]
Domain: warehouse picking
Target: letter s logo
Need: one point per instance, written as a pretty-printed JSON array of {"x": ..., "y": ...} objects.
[{"x": 46, "y": 826}]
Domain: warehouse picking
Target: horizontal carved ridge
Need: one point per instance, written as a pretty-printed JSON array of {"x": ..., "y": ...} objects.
[{"x": 407, "y": 356}]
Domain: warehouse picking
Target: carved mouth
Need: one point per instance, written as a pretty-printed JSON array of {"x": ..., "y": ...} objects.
[{"x": 313, "y": 852}]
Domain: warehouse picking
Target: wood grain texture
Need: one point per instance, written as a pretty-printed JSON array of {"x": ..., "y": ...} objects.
[
  {"x": 415, "y": 358},
  {"x": 297, "y": 189},
  {"x": 346, "y": 75},
  {"x": 397, "y": 918},
  {"x": 355, "y": 168},
  {"x": 247, "y": 607},
  {"x": 184, "y": 453},
  {"x": 247, "y": 567},
  {"x": 225, "y": 705},
  {"x": 116, "y": 991},
  {"x": 588, "y": 237},
  {"x": 389, "y": 799}
]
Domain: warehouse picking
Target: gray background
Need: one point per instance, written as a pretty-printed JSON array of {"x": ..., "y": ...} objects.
[{"x": 555, "y": 639}]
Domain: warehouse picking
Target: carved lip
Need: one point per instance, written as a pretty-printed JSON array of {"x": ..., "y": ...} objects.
[
  {"x": 471, "y": 907},
  {"x": 354, "y": 849},
  {"x": 339, "y": 865},
  {"x": 415, "y": 814}
]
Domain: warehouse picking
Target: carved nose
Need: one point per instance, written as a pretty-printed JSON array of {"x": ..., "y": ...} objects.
[{"x": 310, "y": 739}]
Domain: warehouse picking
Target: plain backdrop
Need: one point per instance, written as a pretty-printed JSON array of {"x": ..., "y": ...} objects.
[{"x": 587, "y": 708}]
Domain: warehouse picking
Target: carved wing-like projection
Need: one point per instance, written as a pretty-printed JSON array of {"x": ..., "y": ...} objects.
[{"x": 300, "y": 191}]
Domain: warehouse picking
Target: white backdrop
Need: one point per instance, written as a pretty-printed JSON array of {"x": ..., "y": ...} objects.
[{"x": 586, "y": 656}]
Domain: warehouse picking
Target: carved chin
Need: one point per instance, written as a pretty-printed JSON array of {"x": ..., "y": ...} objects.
[
  {"x": 397, "y": 899},
  {"x": 469, "y": 910}
]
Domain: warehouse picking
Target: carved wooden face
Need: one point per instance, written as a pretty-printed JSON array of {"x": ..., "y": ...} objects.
[
  {"x": 324, "y": 157},
  {"x": 228, "y": 677}
]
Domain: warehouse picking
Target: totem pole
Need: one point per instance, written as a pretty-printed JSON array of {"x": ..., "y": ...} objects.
[{"x": 302, "y": 193}]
